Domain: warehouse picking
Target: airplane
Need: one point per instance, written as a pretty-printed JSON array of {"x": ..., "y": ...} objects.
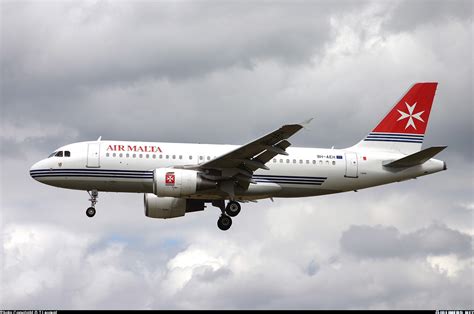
[{"x": 178, "y": 178}]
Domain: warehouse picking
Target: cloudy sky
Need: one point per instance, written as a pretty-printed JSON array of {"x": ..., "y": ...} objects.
[{"x": 228, "y": 72}]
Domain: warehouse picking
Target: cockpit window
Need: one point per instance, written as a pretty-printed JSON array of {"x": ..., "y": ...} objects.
[
  {"x": 52, "y": 154},
  {"x": 67, "y": 153},
  {"x": 59, "y": 154}
]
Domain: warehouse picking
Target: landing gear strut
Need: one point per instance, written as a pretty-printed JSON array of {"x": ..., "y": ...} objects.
[
  {"x": 90, "y": 212},
  {"x": 231, "y": 210}
]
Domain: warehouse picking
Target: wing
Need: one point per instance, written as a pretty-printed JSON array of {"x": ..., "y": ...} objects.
[{"x": 237, "y": 167}]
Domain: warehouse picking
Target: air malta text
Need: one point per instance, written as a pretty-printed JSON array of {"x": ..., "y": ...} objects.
[{"x": 134, "y": 148}]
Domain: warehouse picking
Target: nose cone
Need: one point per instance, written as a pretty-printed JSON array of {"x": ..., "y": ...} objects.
[{"x": 37, "y": 169}]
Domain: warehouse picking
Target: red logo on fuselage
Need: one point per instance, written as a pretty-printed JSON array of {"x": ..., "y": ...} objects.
[
  {"x": 169, "y": 178},
  {"x": 134, "y": 148}
]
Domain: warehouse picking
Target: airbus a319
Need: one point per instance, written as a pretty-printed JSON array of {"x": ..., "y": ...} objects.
[{"x": 180, "y": 178}]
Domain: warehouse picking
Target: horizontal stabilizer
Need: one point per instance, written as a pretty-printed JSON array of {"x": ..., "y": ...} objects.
[{"x": 415, "y": 159}]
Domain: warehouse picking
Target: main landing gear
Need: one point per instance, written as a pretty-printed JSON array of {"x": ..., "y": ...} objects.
[
  {"x": 90, "y": 212},
  {"x": 231, "y": 210}
]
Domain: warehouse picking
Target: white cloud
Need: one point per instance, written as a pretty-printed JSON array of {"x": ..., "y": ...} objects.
[{"x": 449, "y": 264}]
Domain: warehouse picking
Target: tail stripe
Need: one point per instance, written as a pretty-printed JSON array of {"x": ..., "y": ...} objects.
[
  {"x": 394, "y": 137},
  {"x": 392, "y": 140}
]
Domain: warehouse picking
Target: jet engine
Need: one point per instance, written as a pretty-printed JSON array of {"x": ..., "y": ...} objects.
[
  {"x": 179, "y": 182},
  {"x": 169, "y": 207}
]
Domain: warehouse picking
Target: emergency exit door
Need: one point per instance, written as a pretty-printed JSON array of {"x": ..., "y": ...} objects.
[
  {"x": 351, "y": 165},
  {"x": 93, "y": 155}
]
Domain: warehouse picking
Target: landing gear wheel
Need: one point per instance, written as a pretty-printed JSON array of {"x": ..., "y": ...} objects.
[
  {"x": 224, "y": 222},
  {"x": 232, "y": 209},
  {"x": 94, "y": 194},
  {"x": 90, "y": 212}
]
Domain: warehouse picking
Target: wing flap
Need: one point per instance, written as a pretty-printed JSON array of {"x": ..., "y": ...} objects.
[
  {"x": 259, "y": 151},
  {"x": 234, "y": 169},
  {"x": 415, "y": 159}
]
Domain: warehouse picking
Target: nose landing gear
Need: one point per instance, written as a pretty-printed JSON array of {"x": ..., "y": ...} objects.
[{"x": 90, "y": 212}]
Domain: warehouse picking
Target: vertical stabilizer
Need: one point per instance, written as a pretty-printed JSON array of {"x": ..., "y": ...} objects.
[{"x": 403, "y": 128}]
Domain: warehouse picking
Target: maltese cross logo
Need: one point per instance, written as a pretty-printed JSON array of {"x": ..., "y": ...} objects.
[
  {"x": 169, "y": 178},
  {"x": 410, "y": 115}
]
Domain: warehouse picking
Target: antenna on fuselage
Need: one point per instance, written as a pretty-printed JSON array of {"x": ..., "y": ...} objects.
[{"x": 100, "y": 137}]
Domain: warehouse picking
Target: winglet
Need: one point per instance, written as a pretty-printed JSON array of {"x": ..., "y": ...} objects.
[{"x": 305, "y": 123}]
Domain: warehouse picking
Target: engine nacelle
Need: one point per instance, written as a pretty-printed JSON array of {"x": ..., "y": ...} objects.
[
  {"x": 169, "y": 207},
  {"x": 179, "y": 182}
]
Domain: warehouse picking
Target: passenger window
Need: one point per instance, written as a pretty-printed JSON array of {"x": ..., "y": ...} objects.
[
  {"x": 281, "y": 160},
  {"x": 274, "y": 160},
  {"x": 190, "y": 157},
  {"x": 107, "y": 155},
  {"x": 161, "y": 156},
  {"x": 301, "y": 161},
  {"x": 147, "y": 156},
  {"x": 67, "y": 154},
  {"x": 208, "y": 158},
  {"x": 180, "y": 156},
  {"x": 321, "y": 162},
  {"x": 201, "y": 157},
  {"x": 167, "y": 156},
  {"x": 120, "y": 155},
  {"x": 314, "y": 162},
  {"x": 294, "y": 161},
  {"x": 154, "y": 156},
  {"x": 174, "y": 156},
  {"x": 134, "y": 155},
  {"x": 141, "y": 155},
  {"x": 127, "y": 155},
  {"x": 113, "y": 155},
  {"x": 59, "y": 154},
  {"x": 333, "y": 162},
  {"x": 307, "y": 161},
  {"x": 287, "y": 161}
]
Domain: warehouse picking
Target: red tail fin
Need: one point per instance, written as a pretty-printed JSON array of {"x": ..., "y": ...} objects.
[
  {"x": 411, "y": 113},
  {"x": 403, "y": 128}
]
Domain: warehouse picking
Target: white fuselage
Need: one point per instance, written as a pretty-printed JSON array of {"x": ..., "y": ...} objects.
[{"x": 118, "y": 166}]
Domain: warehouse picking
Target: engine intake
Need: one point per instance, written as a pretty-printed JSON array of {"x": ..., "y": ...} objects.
[{"x": 179, "y": 182}]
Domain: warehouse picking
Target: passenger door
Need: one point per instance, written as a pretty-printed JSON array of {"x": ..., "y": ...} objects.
[
  {"x": 93, "y": 155},
  {"x": 351, "y": 165}
]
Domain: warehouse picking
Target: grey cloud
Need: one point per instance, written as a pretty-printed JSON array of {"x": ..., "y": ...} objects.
[
  {"x": 409, "y": 14},
  {"x": 207, "y": 274},
  {"x": 101, "y": 62},
  {"x": 388, "y": 242},
  {"x": 120, "y": 43}
]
